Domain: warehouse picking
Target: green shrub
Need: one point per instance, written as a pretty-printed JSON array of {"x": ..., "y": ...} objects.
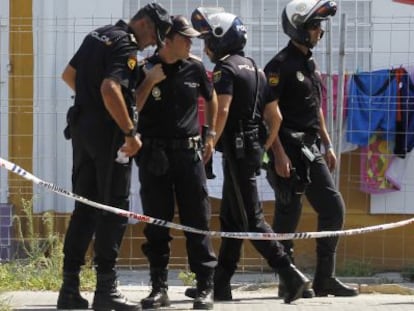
[
  {"x": 356, "y": 268},
  {"x": 40, "y": 267},
  {"x": 187, "y": 277}
]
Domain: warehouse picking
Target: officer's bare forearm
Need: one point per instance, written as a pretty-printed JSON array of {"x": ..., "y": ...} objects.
[
  {"x": 273, "y": 119},
  {"x": 323, "y": 132},
  {"x": 211, "y": 111},
  {"x": 115, "y": 104},
  {"x": 224, "y": 102},
  {"x": 277, "y": 147},
  {"x": 69, "y": 76}
]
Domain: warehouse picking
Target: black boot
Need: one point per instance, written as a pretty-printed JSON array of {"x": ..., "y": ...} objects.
[
  {"x": 204, "y": 297},
  {"x": 108, "y": 297},
  {"x": 307, "y": 292},
  {"x": 325, "y": 283},
  {"x": 222, "y": 286},
  {"x": 191, "y": 292},
  {"x": 294, "y": 281},
  {"x": 158, "y": 296},
  {"x": 69, "y": 295}
]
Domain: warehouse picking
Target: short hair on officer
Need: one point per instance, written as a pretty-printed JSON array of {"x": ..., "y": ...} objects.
[
  {"x": 224, "y": 33},
  {"x": 299, "y": 14},
  {"x": 160, "y": 17}
]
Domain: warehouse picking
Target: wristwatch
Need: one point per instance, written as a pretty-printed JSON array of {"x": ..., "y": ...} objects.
[
  {"x": 211, "y": 134},
  {"x": 131, "y": 133}
]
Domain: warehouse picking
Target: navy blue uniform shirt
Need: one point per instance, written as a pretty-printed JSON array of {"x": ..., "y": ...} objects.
[
  {"x": 107, "y": 52},
  {"x": 236, "y": 75},
  {"x": 292, "y": 78},
  {"x": 171, "y": 110}
]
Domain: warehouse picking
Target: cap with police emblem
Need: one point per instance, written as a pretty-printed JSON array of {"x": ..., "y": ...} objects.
[
  {"x": 162, "y": 21},
  {"x": 182, "y": 26}
]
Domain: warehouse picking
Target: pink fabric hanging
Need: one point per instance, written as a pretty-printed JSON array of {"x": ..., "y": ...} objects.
[
  {"x": 405, "y": 1},
  {"x": 324, "y": 78}
]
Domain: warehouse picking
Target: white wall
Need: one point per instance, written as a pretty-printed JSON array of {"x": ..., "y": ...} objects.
[
  {"x": 393, "y": 34},
  {"x": 398, "y": 202},
  {"x": 59, "y": 27}
]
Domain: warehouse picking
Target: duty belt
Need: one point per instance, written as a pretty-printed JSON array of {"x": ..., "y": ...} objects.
[
  {"x": 299, "y": 137},
  {"x": 254, "y": 133},
  {"x": 174, "y": 143}
]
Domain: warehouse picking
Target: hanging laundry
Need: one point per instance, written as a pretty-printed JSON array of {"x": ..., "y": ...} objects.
[
  {"x": 404, "y": 140},
  {"x": 335, "y": 80},
  {"x": 371, "y": 106},
  {"x": 375, "y": 160},
  {"x": 397, "y": 171}
]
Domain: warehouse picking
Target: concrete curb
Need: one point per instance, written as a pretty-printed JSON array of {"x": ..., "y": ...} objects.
[
  {"x": 385, "y": 289},
  {"x": 398, "y": 289},
  {"x": 382, "y": 283}
]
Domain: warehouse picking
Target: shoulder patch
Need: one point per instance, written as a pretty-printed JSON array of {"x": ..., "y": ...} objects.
[
  {"x": 273, "y": 78},
  {"x": 132, "y": 61},
  {"x": 217, "y": 76}
]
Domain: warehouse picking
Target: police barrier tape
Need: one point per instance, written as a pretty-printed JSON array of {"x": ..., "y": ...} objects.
[{"x": 159, "y": 222}]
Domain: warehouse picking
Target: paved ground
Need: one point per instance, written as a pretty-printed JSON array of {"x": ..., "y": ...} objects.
[{"x": 251, "y": 292}]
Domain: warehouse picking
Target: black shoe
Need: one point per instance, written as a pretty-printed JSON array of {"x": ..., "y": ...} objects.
[
  {"x": 295, "y": 282},
  {"x": 107, "y": 301},
  {"x": 332, "y": 286},
  {"x": 204, "y": 300},
  {"x": 191, "y": 292},
  {"x": 307, "y": 291},
  {"x": 71, "y": 301},
  {"x": 156, "y": 299},
  {"x": 222, "y": 294}
]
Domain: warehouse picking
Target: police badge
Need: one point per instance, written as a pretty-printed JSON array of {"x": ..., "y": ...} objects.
[
  {"x": 156, "y": 93},
  {"x": 300, "y": 76}
]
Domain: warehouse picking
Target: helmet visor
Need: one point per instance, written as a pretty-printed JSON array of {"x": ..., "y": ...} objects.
[
  {"x": 321, "y": 11},
  {"x": 200, "y": 19}
]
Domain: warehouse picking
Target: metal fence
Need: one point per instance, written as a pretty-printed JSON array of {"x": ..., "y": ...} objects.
[{"x": 373, "y": 41}]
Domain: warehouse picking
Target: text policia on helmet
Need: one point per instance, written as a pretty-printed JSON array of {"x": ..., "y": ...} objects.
[{"x": 223, "y": 32}]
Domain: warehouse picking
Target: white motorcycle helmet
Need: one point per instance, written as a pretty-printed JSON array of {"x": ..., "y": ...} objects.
[
  {"x": 300, "y": 13},
  {"x": 223, "y": 32}
]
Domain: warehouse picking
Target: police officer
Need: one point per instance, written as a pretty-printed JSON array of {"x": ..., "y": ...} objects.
[
  {"x": 171, "y": 162},
  {"x": 103, "y": 75},
  {"x": 243, "y": 102},
  {"x": 298, "y": 166}
]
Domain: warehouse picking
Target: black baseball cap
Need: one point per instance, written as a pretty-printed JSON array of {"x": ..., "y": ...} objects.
[
  {"x": 161, "y": 19},
  {"x": 182, "y": 26}
]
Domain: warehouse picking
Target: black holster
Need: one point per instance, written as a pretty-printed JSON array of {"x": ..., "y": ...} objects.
[
  {"x": 301, "y": 148},
  {"x": 71, "y": 117}
]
